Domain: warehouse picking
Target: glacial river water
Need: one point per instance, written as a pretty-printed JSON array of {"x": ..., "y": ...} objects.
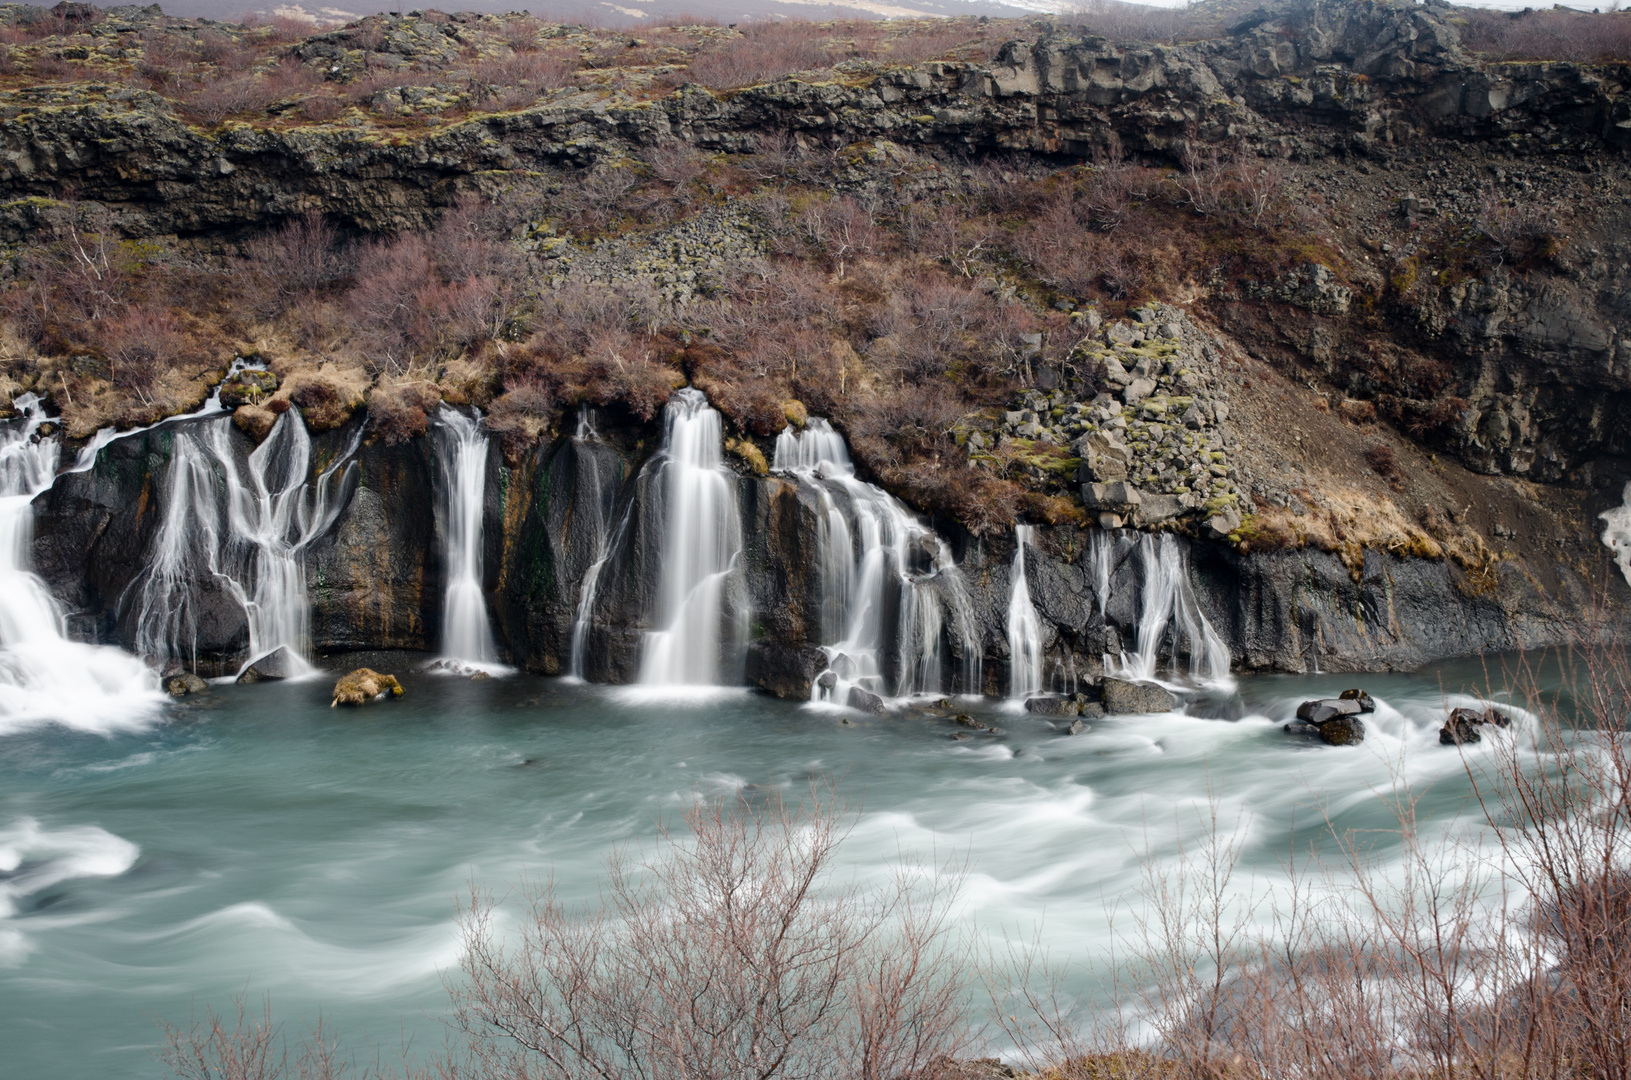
[{"x": 255, "y": 838}]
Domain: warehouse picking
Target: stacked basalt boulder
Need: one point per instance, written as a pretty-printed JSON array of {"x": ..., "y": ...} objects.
[
  {"x": 1463, "y": 725},
  {"x": 1335, "y": 721}
]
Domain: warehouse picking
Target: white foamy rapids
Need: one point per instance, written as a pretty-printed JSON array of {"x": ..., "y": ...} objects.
[
  {"x": 467, "y": 636},
  {"x": 255, "y": 550},
  {"x": 1617, "y": 532},
  {"x": 33, "y": 859},
  {"x": 44, "y": 677},
  {"x": 701, "y": 549},
  {"x": 1168, "y": 616},
  {"x": 1024, "y": 628},
  {"x": 870, "y": 549}
]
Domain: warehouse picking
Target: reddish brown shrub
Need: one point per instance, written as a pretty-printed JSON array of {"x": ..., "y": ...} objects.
[
  {"x": 1552, "y": 34},
  {"x": 140, "y": 344},
  {"x": 295, "y": 260},
  {"x": 399, "y": 412},
  {"x": 764, "y": 52}
]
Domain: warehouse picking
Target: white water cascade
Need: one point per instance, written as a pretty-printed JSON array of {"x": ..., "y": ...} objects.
[
  {"x": 1617, "y": 532},
  {"x": 866, "y": 542},
  {"x": 1168, "y": 614},
  {"x": 467, "y": 636},
  {"x": 593, "y": 497},
  {"x": 701, "y": 548},
  {"x": 273, "y": 512},
  {"x": 1024, "y": 628},
  {"x": 44, "y": 677}
]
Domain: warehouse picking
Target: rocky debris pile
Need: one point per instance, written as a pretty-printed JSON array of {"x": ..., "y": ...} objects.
[
  {"x": 1462, "y": 725},
  {"x": 693, "y": 258},
  {"x": 1335, "y": 720},
  {"x": 362, "y": 686},
  {"x": 1154, "y": 446}
]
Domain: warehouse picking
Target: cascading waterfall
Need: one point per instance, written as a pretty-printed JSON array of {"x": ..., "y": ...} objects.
[
  {"x": 701, "y": 547},
  {"x": 467, "y": 636},
  {"x": 1169, "y": 615},
  {"x": 272, "y": 514},
  {"x": 594, "y": 496},
  {"x": 866, "y": 541},
  {"x": 1617, "y": 532},
  {"x": 44, "y": 676},
  {"x": 1024, "y": 628}
]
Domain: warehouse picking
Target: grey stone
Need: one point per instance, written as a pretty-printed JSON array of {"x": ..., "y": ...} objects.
[
  {"x": 1121, "y": 697},
  {"x": 866, "y": 701},
  {"x": 1077, "y": 727},
  {"x": 1051, "y": 706},
  {"x": 1138, "y": 390}
]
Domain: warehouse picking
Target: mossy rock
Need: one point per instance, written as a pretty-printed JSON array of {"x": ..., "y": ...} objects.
[
  {"x": 362, "y": 686},
  {"x": 249, "y": 387}
]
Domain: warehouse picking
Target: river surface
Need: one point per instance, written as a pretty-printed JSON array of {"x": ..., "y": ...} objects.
[{"x": 252, "y": 837}]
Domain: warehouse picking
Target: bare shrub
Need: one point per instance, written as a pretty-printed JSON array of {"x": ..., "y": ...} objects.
[
  {"x": 322, "y": 108},
  {"x": 141, "y": 344},
  {"x": 594, "y": 200},
  {"x": 297, "y": 259},
  {"x": 1520, "y": 228},
  {"x": 247, "y": 1047},
  {"x": 1551, "y": 34},
  {"x": 216, "y": 97},
  {"x": 731, "y": 953},
  {"x": 764, "y": 52},
  {"x": 1382, "y": 461}
]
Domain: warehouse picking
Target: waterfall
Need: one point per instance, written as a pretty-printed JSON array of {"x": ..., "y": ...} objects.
[
  {"x": 43, "y": 676},
  {"x": 1169, "y": 614},
  {"x": 467, "y": 637},
  {"x": 871, "y": 550},
  {"x": 1024, "y": 628},
  {"x": 593, "y": 495},
  {"x": 1617, "y": 532},
  {"x": 273, "y": 512},
  {"x": 701, "y": 547}
]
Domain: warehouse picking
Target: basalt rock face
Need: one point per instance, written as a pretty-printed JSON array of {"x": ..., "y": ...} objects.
[
  {"x": 375, "y": 576},
  {"x": 1307, "y": 76}
]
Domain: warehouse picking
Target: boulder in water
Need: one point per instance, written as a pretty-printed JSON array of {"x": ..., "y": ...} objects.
[
  {"x": 364, "y": 685},
  {"x": 280, "y": 663},
  {"x": 866, "y": 701},
  {"x": 480, "y": 676},
  {"x": 1121, "y": 697},
  {"x": 1051, "y": 706},
  {"x": 1367, "y": 704},
  {"x": 1327, "y": 709},
  {"x": 965, "y": 720},
  {"x": 1077, "y": 727},
  {"x": 1463, "y": 724},
  {"x": 1343, "y": 731},
  {"x": 184, "y": 684},
  {"x": 1335, "y": 720}
]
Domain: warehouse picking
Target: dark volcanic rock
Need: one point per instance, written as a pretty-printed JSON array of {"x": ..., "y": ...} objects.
[{"x": 1343, "y": 731}]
